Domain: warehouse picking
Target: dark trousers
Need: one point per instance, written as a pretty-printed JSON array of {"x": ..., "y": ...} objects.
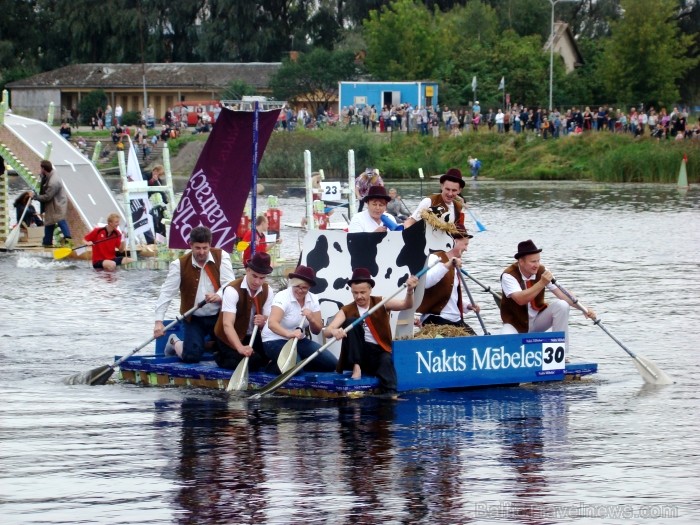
[
  {"x": 437, "y": 320},
  {"x": 196, "y": 329},
  {"x": 372, "y": 358},
  {"x": 227, "y": 357}
]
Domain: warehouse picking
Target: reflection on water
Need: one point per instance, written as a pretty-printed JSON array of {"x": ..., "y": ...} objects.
[{"x": 121, "y": 454}]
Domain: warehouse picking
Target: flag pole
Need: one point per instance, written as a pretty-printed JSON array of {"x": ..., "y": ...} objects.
[{"x": 254, "y": 187}]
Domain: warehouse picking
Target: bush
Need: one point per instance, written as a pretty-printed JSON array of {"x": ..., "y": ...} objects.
[{"x": 89, "y": 104}]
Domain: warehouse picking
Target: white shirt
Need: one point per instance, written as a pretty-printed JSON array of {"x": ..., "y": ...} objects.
[
  {"x": 230, "y": 302},
  {"x": 368, "y": 333},
  {"x": 363, "y": 222},
  {"x": 171, "y": 286},
  {"x": 426, "y": 203},
  {"x": 291, "y": 312},
  {"x": 433, "y": 276},
  {"x": 510, "y": 285}
]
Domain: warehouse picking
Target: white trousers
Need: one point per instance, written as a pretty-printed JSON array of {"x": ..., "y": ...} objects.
[{"x": 554, "y": 317}]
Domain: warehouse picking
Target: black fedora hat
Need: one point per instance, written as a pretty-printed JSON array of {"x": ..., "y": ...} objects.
[
  {"x": 260, "y": 263},
  {"x": 361, "y": 275},
  {"x": 305, "y": 274},
  {"x": 526, "y": 248},
  {"x": 454, "y": 175},
  {"x": 376, "y": 192},
  {"x": 461, "y": 233}
]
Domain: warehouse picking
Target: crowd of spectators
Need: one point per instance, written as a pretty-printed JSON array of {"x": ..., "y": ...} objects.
[{"x": 516, "y": 119}]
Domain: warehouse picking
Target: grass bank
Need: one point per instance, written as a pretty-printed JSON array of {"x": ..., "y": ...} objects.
[{"x": 601, "y": 157}]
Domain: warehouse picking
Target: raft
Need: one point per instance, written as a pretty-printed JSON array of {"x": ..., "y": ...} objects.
[{"x": 421, "y": 364}]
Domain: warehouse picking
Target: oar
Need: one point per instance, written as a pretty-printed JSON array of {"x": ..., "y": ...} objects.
[
  {"x": 329, "y": 209},
  {"x": 471, "y": 300},
  {"x": 13, "y": 237},
  {"x": 62, "y": 253},
  {"x": 239, "y": 378},
  {"x": 649, "y": 371},
  {"x": 478, "y": 223},
  {"x": 99, "y": 376},
  {"x": 496, "y": 295},
  {"x": 286, "y": 376},
  {"x": 288, "y": 354}
]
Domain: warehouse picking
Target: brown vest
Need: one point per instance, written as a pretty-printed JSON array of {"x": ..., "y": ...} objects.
[
  {"x": 514, "y": 313},
  {"x": 436, "y": 297},
  {"x": 436, "y": 200},
  {"x": 189, "y": 277},
  {"x": 243, "y": 308},
  {"x": 379, "y": 319}
]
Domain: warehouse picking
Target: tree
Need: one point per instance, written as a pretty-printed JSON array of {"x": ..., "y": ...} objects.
[
  {"x": 647, "y": 55},
  {"x": 313, "y": 78},
  {"x": 89, "y": 104},
  {"x": 236, "y": 90},
  {"x": 402, "y": 42}
]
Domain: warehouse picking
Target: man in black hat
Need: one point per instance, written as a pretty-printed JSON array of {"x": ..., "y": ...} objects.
[
  {"x": 370, "y": 220},
  {"x": 446, "y": 205},
  {"x": 198, "y": 275},
  {"x": 442, "y": 300},
  {"x": 523, "y": 308},
  {"x": 368, "y": 347},
  {"x": 246, "y": 303}
]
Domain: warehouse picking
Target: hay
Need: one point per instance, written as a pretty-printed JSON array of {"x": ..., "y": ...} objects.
[
  {"x": 432, "y": 331},
  {"x": 435, "y": 222}
]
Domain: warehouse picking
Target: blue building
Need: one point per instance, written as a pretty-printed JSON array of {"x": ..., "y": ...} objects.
[{"x": 381, "y": 94}]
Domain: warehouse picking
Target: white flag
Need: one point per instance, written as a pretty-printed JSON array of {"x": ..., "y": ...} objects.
[
  {"x": 474, "y": 83},
  {"x": 502, "y": 85}
]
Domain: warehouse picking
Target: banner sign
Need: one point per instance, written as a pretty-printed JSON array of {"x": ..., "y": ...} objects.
[{"x": 219, "y": 185}]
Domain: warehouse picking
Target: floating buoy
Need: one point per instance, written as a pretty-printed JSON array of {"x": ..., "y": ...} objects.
[{"x": 683, "y": 174}]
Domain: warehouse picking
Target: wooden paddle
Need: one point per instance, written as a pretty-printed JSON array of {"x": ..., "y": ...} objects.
[
  {"x": 99, "y": 376},
  {"x": 13, "y": 237},
  {"x": 496, "y": 295},
  {"x": 62, "y": 253},
  {"x": 239, "y": 378},
  {"x": 471, "y": 300},
  {"x": 649, "y": 371},
  {"x": 286, "y": 376},
  {"x": 288, "y": 354}
]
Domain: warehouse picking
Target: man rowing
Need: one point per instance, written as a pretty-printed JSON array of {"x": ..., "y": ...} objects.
[
  {"x": 197, "y": 275},
  {"x": 246, "y": 303},
  {"x": 368, "y": 347},
  {"x": 442, "y": 301},
  {"x": 523, "y": 308}
]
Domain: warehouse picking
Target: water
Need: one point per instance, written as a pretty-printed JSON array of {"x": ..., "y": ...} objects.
[{"x": 605, "y": 450}]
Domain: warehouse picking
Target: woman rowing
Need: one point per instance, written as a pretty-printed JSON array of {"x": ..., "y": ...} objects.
[{"x": 294, "y": 309}]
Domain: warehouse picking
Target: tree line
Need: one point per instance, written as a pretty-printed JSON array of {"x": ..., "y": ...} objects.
[{"x": 635, "y": 51}]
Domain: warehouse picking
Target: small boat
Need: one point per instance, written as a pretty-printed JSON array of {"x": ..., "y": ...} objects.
[{"x": 421, "y": 364}]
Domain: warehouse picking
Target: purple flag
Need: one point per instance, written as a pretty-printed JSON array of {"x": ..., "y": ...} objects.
[{"x": 218, "y": 188}]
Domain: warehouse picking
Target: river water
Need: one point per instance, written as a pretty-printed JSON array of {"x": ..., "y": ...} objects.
[{"x": 604, "y": 450}]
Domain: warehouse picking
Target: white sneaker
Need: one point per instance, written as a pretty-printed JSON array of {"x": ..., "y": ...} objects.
[{"x": 170, "y": 345}]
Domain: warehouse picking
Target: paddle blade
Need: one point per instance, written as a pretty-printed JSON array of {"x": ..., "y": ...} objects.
[
  {"x": 97, "y": 376},
  {"x": 12, "y": 238},
  {"x": 61, "y": 253},
  {"x": 288, "y": 356},
  {"x": 651, "y": 373},
  {"x": 242, "y": 246},
  {"x": 239, "y": 379}
]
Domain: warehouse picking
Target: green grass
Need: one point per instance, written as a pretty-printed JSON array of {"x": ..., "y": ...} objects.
[{"x": 596, "y": 156}]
